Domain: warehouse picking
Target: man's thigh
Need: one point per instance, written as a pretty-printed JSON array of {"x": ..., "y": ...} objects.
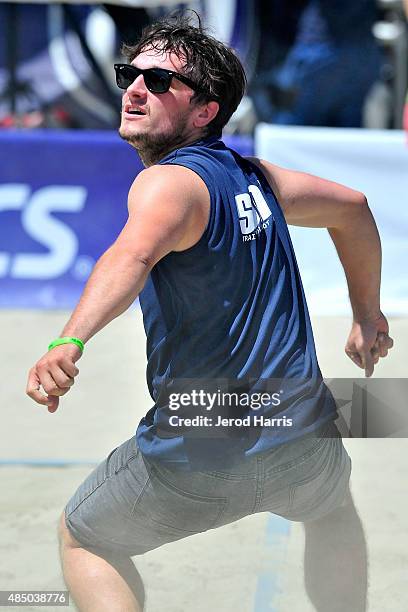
[{"x": 128, "y": 506}]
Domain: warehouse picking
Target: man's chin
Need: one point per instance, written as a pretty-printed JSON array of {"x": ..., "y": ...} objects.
[{"x": 131, "y": 137}]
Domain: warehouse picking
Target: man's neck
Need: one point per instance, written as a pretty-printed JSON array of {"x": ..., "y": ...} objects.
[{"x": 151, "y": 156}]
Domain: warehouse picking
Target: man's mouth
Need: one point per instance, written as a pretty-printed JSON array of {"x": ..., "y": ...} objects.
[{"x": 133, "y": 110}]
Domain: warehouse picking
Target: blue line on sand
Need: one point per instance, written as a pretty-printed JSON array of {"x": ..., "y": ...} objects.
[
  {"x": 60, "y": 463},
  {"x": 267, "y": 589}
]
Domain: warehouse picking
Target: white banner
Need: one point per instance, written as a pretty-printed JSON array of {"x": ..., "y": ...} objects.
[{"x": 372, "y": 161}]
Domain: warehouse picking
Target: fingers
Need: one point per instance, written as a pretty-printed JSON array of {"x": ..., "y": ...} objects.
[
  {"x": 54, "y": 384},
  {"x": 69, "y": 368},
  {"x": 375, "y": 353},
  {"x": 33, "y": 389},
  {"x": 53, "y": 403},
  {"x": 367, "y": 359},
  {"x": 52, "y": 376},
  {"x": 355, "y": 358},
  {"x": 62, "y": 379},
  {"x": 368, "y": 363},
  {"x": 384, "y": 343},
  {"x": 363, "y": 359}
]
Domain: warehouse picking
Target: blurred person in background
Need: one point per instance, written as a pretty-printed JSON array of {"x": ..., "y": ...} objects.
[{"x": 330, "y": 61}]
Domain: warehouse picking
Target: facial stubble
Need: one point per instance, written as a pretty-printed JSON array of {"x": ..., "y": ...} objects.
[{"x": 153, "y": 147}]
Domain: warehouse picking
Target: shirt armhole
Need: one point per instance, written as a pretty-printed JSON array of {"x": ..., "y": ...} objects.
[{"x": 210, "y": 223}]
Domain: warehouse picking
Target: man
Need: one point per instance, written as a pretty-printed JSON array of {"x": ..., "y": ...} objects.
[{"x": 206, "y": 247}]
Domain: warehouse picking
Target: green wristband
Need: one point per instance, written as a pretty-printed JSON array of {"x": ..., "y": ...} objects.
[{"x": 67, "y": 340}]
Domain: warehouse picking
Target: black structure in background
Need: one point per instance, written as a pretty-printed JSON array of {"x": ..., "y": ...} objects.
[
  {"x": 16, "y": 19},
  {"x": 129, "y": 21}
]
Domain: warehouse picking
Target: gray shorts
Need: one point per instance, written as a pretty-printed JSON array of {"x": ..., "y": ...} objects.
[{"x": 129, "y": 505}]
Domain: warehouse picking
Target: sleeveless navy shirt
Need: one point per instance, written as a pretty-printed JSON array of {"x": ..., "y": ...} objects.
[{"x": 231, "y": 307}]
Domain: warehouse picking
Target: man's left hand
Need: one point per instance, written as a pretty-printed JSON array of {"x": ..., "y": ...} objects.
[{"x": 368, "y": 341}]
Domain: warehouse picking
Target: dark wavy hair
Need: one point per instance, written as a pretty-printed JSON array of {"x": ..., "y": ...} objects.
[{"x": 214, "y": 66}]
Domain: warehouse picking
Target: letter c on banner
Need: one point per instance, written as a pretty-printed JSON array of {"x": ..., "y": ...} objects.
[
  {"x": 37, "y": 221},
  {"x": 12, "y": 197}
]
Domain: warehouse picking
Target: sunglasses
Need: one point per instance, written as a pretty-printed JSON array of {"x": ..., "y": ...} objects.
[{"x": 157, "y": 80}]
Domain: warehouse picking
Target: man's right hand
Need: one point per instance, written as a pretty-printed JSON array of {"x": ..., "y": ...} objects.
[{"x": 55, "y": 373}]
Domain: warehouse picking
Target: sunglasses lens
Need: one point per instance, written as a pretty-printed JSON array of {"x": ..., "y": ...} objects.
[
  {"x": 157, "y": 81},
  {"x": 125, "y": 75}
]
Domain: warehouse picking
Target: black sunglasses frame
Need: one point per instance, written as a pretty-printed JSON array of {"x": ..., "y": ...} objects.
[{"x": 120, "y": 69}]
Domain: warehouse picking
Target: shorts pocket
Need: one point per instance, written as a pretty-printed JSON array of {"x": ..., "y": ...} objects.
[
  {"x": 165, "y": 504},
  {"x": 317, "y": 493},
  {"x": 293, "y": 455},
  {"x": 307, "y": 489},
  {"x": 118, "y": 459}
]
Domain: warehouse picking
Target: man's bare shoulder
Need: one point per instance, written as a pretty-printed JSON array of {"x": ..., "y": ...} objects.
[
  {"x": 272, "y": 172},
  {"x": 261, "y": 163},
  {"x": 168, "y": 181},
  {"x": 308, "y": 200},
  {"x": 174, "y": 197}
]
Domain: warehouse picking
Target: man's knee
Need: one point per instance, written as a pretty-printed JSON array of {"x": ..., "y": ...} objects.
[{"x": 64, "y": 535}]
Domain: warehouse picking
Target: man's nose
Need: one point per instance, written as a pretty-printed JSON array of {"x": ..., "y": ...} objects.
[{"x": 137, "y": 87}]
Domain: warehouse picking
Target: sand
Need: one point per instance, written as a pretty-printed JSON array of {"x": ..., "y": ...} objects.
[{"x": 225, "y": 569}]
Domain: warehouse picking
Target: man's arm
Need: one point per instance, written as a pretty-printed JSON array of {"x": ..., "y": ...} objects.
[
  {"x": 168, "y": 210},
  {"x": 309, "y": 201}
]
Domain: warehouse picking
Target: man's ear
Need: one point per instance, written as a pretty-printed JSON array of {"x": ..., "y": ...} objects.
[{"x": 206, "y": 113}]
